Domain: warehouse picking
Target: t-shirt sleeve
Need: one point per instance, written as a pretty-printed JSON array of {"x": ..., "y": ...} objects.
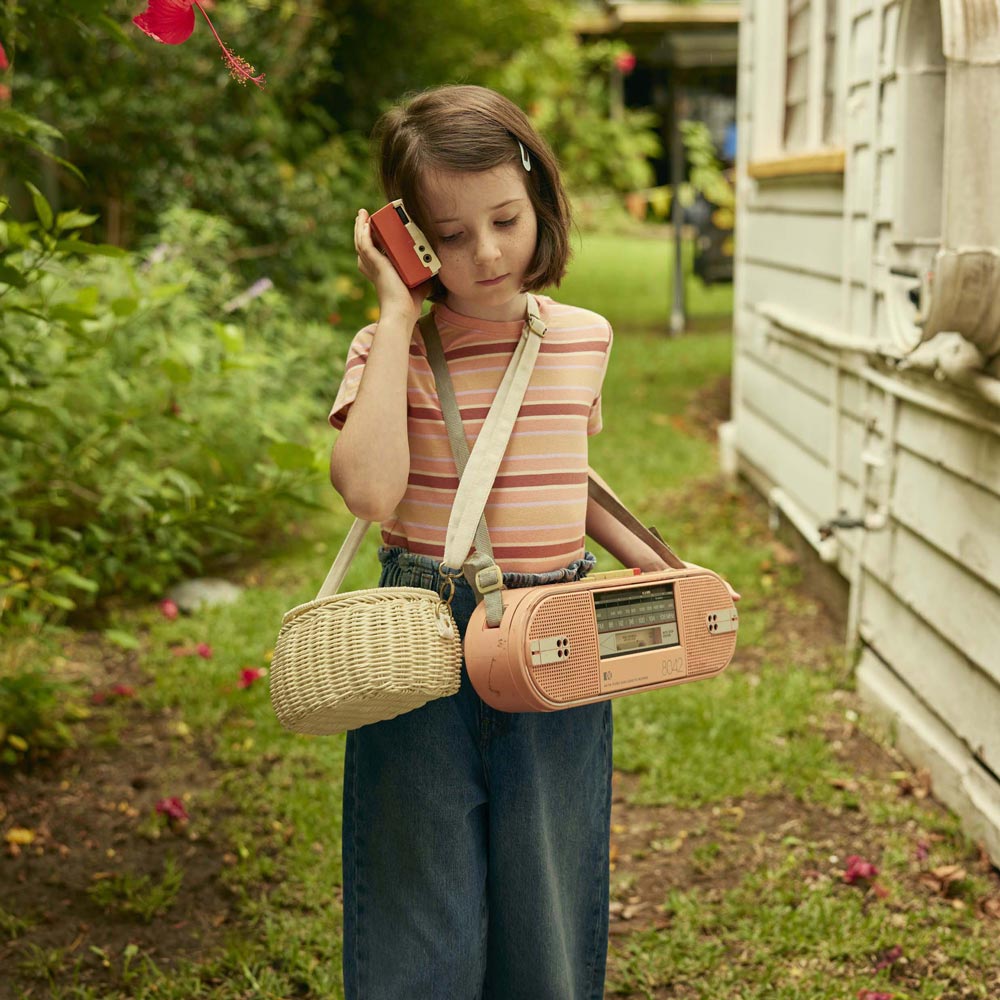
[
  {"x": 354, "y": 368},
  {"x": 595, "y": 421}
]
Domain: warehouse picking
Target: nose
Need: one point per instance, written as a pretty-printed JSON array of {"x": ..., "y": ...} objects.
[{"x": 487, "y": 249}]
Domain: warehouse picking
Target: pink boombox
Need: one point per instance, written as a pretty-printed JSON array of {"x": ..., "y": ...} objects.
[
  {"x": 400, "y": 238},
  {"x": 610, "y": 635}
]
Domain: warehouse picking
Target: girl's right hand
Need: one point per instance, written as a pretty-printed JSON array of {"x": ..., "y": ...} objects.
[{"x": 393, "y": 295}]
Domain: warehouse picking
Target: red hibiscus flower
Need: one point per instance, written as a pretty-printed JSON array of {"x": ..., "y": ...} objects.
[
  {"x": 172, "y": 21},
  {"x": 625, "y": 62}
]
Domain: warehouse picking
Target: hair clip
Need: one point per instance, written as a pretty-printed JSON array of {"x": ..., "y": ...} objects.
[{"x": 524, "y": 156}]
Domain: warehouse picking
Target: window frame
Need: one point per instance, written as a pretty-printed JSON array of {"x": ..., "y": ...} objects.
[{"x": 819, "y": 153}]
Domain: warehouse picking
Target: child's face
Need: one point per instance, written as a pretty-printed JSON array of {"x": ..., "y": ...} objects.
[{"x": 484, "y": 229}]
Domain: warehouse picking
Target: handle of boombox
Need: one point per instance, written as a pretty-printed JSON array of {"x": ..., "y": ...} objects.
[{"x": 603, "y": 496}]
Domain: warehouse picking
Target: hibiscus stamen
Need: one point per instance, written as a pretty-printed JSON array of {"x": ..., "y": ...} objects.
[{"x": 239, "y": 68}]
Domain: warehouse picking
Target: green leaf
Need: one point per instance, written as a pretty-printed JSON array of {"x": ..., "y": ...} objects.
[
  {"x": 72, "y": 314},
  {"x": 15, "y": 123},
  {"x": 59, "y": 600},
  {"x": 232, "y": 338},
  {"x": 8, "y": 430},
  {"x": 12, "y": 276},
  {"x": 290, "y": 456},
  {"x": 176, "y": 371},
  {"x": 90, "y": 249},
  {"x": 74, "y": 579},
  {"x": 42, "y": 208},
  {"x": 123, "y": 639},
  {"x": 74, "y": 219},
  {"x": 124, "y": 306}
]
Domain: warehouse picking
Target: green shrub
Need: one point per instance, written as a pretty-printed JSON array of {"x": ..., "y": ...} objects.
[
  {"x": 35, "y": 712},
  {"x": 146, "y": 432}
]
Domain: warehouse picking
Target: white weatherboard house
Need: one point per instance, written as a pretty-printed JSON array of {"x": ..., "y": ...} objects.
[{"x": 867, "y": 350}]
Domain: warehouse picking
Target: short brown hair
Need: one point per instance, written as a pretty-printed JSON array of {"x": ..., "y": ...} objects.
[{"x": 467, "y": 128}]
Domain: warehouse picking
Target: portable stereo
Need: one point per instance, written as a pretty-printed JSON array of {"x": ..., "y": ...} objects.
[
  {"x": 395, "y": 233},
  {"x": 569, "y": 644}
]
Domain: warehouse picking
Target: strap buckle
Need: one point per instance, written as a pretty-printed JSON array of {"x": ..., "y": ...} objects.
[
  {"x": 536, "y": 326},
  {"x": 489, "y": 579}
]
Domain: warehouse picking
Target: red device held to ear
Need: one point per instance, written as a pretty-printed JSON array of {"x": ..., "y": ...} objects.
[{"x": 401, "y": 240}]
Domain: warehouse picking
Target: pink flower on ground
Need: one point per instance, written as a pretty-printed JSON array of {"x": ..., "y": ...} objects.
[
  {"x": 248, "y": 675},
  {"x": 204, "y": 650},
  {"x": 874, "y": 995},
  {"x": 169, "y": 609},
  {"x": 172, "y": 21},
  {"x": 858, "y": 870},
  {"x": 887, "y": 958},
  {"x": 173, "y": 809},
  {"x": 625, "y": 62}
]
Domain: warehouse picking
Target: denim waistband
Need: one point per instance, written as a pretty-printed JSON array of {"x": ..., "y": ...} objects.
[{"x": 401, "y": 568}]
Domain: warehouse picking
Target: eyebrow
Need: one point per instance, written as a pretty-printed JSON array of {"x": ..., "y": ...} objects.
[{"x": 503, "y": 204}]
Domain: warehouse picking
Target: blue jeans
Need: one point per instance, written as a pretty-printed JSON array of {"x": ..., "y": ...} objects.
[{"x": 475, "y": 842}]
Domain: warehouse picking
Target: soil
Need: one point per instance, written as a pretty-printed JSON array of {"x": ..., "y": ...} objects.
[{"x": 92, "y": 812}]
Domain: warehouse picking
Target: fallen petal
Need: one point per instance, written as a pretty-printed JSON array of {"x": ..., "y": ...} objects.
[
  {"x": 167, "y": 21},
  {"x": 169, "y": 609},
  {"x": 173, "y": 808}
]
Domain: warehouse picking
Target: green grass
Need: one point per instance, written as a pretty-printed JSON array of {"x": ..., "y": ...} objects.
[
  {"x": 629, "y": 279},
  {"x": 772, "y": 934}
]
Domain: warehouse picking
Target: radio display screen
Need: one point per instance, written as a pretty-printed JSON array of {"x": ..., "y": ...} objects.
[{"x": 629, "y": 620}]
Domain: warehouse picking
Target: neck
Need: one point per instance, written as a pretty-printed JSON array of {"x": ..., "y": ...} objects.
[{"x": 503, "y": 312}]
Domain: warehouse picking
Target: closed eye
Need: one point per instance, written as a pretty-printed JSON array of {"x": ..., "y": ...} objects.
[{"x": 507, "y": 222}]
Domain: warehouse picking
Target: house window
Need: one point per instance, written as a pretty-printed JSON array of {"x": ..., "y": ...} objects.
[
  {"x": 800, "y": 131},
  {"x": 812, "y": 76},
  {"x": 796, "y": 129},
  {"x": 832, "y": 134}
]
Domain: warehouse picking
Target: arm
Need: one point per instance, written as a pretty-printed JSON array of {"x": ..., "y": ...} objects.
[
  {"x": 608, "y": 531},
  {"x": 370, "y": 461}
]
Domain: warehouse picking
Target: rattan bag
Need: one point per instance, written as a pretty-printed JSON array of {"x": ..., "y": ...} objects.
[{"x": 346, "y": 660}]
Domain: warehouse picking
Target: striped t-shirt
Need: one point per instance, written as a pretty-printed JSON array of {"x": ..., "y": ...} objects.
[{"x": 536, "y": 512}]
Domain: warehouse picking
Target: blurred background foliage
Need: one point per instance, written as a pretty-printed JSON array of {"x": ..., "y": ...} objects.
[{"x": 177, "y": 274}]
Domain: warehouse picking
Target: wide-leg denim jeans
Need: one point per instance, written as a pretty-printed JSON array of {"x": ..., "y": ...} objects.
[{"x": 475, "y": 842}]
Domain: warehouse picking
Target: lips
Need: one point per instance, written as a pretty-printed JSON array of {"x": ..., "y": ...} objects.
[{"x": 493, "y": 281}]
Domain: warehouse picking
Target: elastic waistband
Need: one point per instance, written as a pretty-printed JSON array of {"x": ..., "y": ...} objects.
[{"x": 401, "y": 568}]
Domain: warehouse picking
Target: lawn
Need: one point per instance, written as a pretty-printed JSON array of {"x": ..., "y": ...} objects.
[{"x": 766, "y": 844}]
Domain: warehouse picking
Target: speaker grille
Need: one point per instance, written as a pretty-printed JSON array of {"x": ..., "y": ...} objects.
[
  {"x": 578, "y": 675},
  {"x": 697, "y": 599}
]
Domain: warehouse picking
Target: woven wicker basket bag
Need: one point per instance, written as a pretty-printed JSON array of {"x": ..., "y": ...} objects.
[{"x": 339, "y": 663}]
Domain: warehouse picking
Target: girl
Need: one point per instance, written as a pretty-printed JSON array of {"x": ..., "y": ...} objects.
[{"x": 475, "y": 843}]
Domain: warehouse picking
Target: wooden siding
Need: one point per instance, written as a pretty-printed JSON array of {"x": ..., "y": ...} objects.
[
  {"x": 837, "y": 431},
  {"x": 964, "y": 698},
  {"x": 795, "y": 241}
]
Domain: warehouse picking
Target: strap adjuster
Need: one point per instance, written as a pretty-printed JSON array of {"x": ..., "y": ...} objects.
[
  {"x": 489, "y": 579},
  {"x": 536, "y": 326}
]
